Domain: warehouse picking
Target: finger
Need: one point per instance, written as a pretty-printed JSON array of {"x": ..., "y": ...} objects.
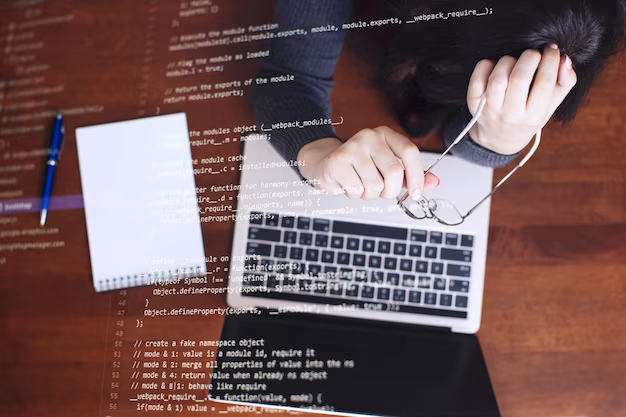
[
  {"x": 431, "y": 181},
  {"x": 498, "y": 82},
  {"x": 541, "y": 95},
  {"x": 344, "y": 174},
  {"x": 408, "y": 153},
  {"x": 565, "y": 82},
  {"x": 519, "y": 82},
  {"x": 478, "y": 84},
  {"x": 390, "y": 167},
  {"x": 369, "y": 175}
]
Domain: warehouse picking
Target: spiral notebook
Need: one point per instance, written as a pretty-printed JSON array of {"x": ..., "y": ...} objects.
[{"x": 140, "y": 202}]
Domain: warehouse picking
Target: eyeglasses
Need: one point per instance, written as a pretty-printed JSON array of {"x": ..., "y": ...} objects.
[{"x": 441, "y": 210}]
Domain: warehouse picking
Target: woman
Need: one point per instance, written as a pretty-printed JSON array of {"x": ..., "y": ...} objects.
[{"x": 525, "y": 57}]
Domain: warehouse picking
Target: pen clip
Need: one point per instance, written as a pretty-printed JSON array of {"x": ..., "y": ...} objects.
[{"x": 62, "y": 139}]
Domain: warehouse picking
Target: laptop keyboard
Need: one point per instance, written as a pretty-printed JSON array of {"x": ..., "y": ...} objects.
[{"x": 373, "y": 267}]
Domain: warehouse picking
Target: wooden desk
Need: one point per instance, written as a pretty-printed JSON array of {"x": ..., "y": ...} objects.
[{"x": 553, "y": 327}]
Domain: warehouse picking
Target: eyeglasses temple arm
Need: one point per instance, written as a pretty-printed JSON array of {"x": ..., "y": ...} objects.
[
  {"x": 460, "y": 136},
  {"x": 522, "y": 162}
]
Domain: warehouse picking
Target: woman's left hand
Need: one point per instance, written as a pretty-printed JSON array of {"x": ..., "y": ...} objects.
[{"x": 512, "y": 115}]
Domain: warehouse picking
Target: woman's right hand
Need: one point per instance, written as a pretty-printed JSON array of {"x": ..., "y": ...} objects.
[{"x": 373, "y": 163}]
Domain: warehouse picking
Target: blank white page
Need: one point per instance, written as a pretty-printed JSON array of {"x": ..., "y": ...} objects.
[{"x": 140, "y": 201}]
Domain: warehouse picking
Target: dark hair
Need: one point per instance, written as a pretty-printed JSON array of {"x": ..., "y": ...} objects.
[{"x": 429, "y": 63}]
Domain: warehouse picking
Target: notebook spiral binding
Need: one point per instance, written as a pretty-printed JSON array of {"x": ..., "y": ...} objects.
[{"x": 159, "y": 277}]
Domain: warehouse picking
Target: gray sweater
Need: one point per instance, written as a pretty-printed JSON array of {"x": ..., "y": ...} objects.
[{"x": 311, "y": 60}]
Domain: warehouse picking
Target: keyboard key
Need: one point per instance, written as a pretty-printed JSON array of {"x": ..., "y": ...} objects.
[
  {"x": 452, "y": 239},
  {"x": 369, "y": 230},
  {"x": 406, "y": 264},
  {"x": 368, "y": 245},
  {"x": 271, "y": 220},
  {"x": 415, "y": 297},
  {"x": 280, "y": 251},
  {"x": 304, "y": 223},
  {"x": 367, "y": 291},
  {"x": 330, "y": 272},
  {"x": 421, "y": 266},
  {"x": 335, "y": 288},
  {"x": 459, "y": 270},
  {"x": 360, "y": 275},
  {"x": 393, "y": 278},
  {"x": 256, "y": 217},
  {"x": 458, "y": 285},
  {"x": 320, "y": 287},
  {"x": 377, "y": 277},
  {"x": 295, "y": 253},
  {"x": 364, "y": 304},
  {"x": 283, "y": 267},
  {"x": 415, "y": 250},
  {"x": 288, "y": 222},
  {"x": 382, "y": 293},
  {"x": 321, "y": 240},
  {"x": 461, "y": 301},
  {"x": 343, "y": 258},
  {"x": 391, "y": 263},
  {"x": 408, "y": 280},
  {"x": 399, "y": 248},
  {"x": 336, "y": 242},
  {"x": 418, "y": 235},
  {"x": 251, "y": 264},
  {"x": 436, "y": 268},
  {"x": 321, "y": 225},
  {"x": 267, "y": 265},
  {"x": 270, "y": 235},
  {"x": 353, "y": 244},
  {"x": 314, "y": 269},
  {"x": 456, "y": 255},
  {"x": 423, "y": 282},
  {"x": 289, "y": 282},
  {"x": 304, "y": 284},
  {"x": 358, "y": 259},
  {"x": 297, "y": 268},
  {"x": 289, "y": 237},
  {"x": 312, "y": 255},
  {"x": 328, "y": 256},
  {"x": 467, "y": 241},
  {"x": 436, "y": 237},
  {"x": 399, "y": 295},
  {"x": 253, "y": 280},
  {"x": 445, "y": 300},
  {"x": 384, "y": 246},
  {"x": 439, "y": 284},
  {"x": 430, "y": 298},
  {"x": 273, "y": 283},
  {"x": 306, "y": 239},
  {"x": 374, "y": 261},
  {"x": 430, "y": 252},
  {"x": 346, "y": 274},
  {"x": 352, "y": 290},
  {"x": 262, "y": 249}
]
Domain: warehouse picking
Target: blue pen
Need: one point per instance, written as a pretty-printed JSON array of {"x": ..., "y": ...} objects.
[{"x": 53, "y": 157}]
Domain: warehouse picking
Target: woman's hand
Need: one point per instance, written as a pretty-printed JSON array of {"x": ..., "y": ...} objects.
[
  {"x": 512, "y": 116},
  {"x": 373, "y": 163}
]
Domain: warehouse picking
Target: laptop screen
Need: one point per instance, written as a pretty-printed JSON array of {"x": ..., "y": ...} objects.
[{"x": 352, "y": 367}]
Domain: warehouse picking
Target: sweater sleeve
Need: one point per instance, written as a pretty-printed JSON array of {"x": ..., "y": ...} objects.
[
  {"x": 311, "y": 60},
  {"x": 467, "y": 148}
]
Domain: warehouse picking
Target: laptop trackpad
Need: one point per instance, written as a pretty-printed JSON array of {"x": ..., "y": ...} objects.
[{"x": 348, "y": 366}]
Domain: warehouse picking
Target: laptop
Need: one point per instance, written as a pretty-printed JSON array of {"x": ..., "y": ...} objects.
[{"x": 346, "y": 270}]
